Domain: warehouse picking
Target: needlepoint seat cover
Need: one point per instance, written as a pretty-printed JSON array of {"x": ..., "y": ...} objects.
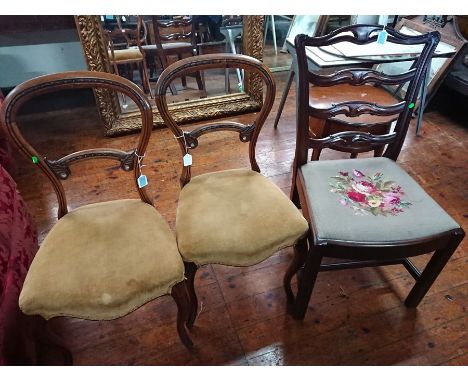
[
  {"x": 235, "y": 217},
  {"x": 102, "y": 261},
  {"x": 370, "y": 200}
]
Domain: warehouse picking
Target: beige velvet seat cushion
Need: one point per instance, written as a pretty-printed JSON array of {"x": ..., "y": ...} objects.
[
  {"x": 127, "y": 54},
  {"x": 360, "y": 211},
  {"x": 102, "y": 261},
  {"x": 235, "y": 217}
]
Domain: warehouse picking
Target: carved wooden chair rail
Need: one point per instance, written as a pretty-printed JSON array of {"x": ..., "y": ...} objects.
[
  {"x": 247, "y": 132},
  {"x": 181, "y": 26},
  {"x": 58, "y": 170}
]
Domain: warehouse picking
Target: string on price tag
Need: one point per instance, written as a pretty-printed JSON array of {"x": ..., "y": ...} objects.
[
  {"x": 187, "y": 158},
  {"x": 142, "y": 179}
]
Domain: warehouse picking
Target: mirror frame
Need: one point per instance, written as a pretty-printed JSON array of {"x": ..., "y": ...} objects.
[{"x": 116, "y": 123}]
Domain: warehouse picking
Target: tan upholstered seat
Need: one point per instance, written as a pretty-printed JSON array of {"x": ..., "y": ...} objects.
[
  {"x": 235, "y": 217},
  {"x": 127, "y": 54},
  {"x": 89, "y": 266}
]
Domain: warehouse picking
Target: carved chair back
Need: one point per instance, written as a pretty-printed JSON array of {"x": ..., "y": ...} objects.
[
  {"x": 360, "y": 35},
  {"x": 134, "y": 36},
  {"x": 172, "y": 31},
  {"x": 123, "y": 38},
  {"x": 247, "y": 132},
  {"x": 115, "y": 41},
  {"x": 59, "y": 170},
  {"x": 231, "y": 20}
]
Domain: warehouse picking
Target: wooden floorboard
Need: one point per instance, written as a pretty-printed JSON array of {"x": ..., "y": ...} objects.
[{"x": 356, "y": 317}]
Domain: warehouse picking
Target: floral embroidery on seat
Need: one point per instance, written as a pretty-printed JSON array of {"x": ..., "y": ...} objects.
[{"x": 369, "y": 194}]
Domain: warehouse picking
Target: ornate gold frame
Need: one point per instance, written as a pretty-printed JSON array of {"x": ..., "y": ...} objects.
[{"x": 115, "y": 122}]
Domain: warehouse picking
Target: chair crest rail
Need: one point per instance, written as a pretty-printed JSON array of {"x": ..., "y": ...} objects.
[
  {"x": 361, "y": 34},
  {"x": 360, "y": 77},
  {"x": 350, "y": 137},
  {"x": 355, "y": 108}
]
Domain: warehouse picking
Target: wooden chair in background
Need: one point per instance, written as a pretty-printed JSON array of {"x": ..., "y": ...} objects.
[
  {"x": 368, "y": 211},
  {"x": 100, "y": 261},
  {"x": 125, "y": 49},
  {"x": 174, "y": 37},
  {"x": 234, "y": 217}
]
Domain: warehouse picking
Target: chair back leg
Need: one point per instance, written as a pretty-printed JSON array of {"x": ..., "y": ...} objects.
[
  {"x": 306, "y": 281},
  {"x": 181, "y": 297},
  {"x": 51, "y": 340},
  {"x": 432, "y": 270},
  {"x": 190, "y": 271},
  {"x": 300, "y": 251}
]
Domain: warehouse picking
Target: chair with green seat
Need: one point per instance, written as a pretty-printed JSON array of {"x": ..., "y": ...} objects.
[
  {"x": 234, "y": 217},
  {"x": 367, "y": 211},
  {"x": 100, "y": 261}
]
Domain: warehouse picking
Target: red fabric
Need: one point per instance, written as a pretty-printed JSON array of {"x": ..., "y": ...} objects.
[
  {"x": 6, "y": 159},
  {"x": 18, "y": 245}
]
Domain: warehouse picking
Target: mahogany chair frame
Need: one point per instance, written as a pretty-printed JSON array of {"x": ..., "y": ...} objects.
[
  {"x": 58, "y": 170},
  {"x": 359, "y": 254},
  {"x": 189, "y": 140}
]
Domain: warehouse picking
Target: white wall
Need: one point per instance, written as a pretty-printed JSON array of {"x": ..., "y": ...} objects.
[
  {"x": 367, "y": 19},
  {"x": 19, "y": 63}
]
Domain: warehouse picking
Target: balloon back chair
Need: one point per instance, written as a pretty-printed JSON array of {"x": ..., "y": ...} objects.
[
  {"x": 366, "y": 210},
  {"x": 233, "y": 217},
  {"x": 99, "y": 261}
]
